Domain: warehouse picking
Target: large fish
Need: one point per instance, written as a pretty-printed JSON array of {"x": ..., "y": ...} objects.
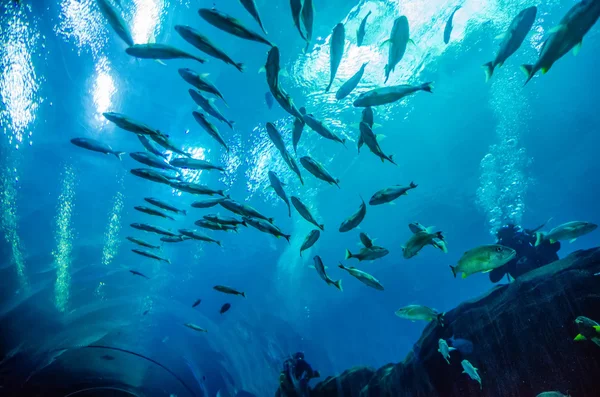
[
  {"x": 96, "y": 146},
  {"x": 385, "y": 95},
  {"x": 296, "y": 6},
  {"x": 266, "y": 227},
  {"x": 368, "y": 253},
  {"x": 200, "y": 82},
  {"x": 272, "y": 68},
  {"x": 419, "y": 312},
  {"x": 115, "y": 20},
  {"x": 153, "y": 229},
  {"x": 321, "y": 271},
  {"x": 355, "y": 219},
  {"x": 142, "y": 243},
  {"x": 176, "y": 239},
  {"x": 209, "y": 106},
  {"x": 483, "y": 259},
  {"x": 228, "y": 290},
  {"x": 195, "y": 235},
  {"x": 151, "y": 175},
  {"x": 310, "y": 240},
  {"x": 448, "y": 28},
  {"x": 566, "y": 36},
  {"x": 368, "y": 118},
  {"x": 368, "y": 137},
  {"x": 297, "y": 130},
  {"x": 165, "y": 206},
  {"x": 151, "y": 255},
  {"x": 366, "y": 240},
  {"x": 569, "y": 231},
  {"x": 320, "y": 128},
  {"x": 351, "y": 84},
  {"x": 224, "y": 220},
  {"x": 277, "y": 186},
  {"x": 250, "y": 6},
  {"x": 206, "y": 224},
  {"x": 308, "y": 15},
  {"x": 166, "y": 143},
  {"x": 305, "y": 212},
  {"x": 130, "y": 125},
  {"x": 160, "y": 52},
  {"x": 210, "y": 128},
  {"x": 588, "y": 329},
  {"x": 196, "y": 188},
  {"x": 363, "y": 277},
  {"x": 201, "y": 42},
  {"x": 360, "y": 33},
  {"x": 152, "y": 161},
  {"x": 512, "y": 39},
  {"x": 231, "y": 25},
  {"x": 336, "y": 51},
  {"x": 195, "y": 164},
  {"x": 390, "y": 194},
  {"x": 471, "y": 371},
  {"x": 416, "y": 227},
  {"x": 208, "y": 203},
  {"x": 151, "y": 211},
  {"x": 277, "y": 140},
  {"x": 418, "y": 241},
  {"x": 242, "y": 209},
  {"x": 318, "y": 170},
  {"x": 397, "y": 42},
  {"x": 286, "y": 102},
  {"x": 151, "y": 146}
]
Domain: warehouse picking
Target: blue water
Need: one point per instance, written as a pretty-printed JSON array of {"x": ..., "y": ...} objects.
[{"x": 482, "y": 154}]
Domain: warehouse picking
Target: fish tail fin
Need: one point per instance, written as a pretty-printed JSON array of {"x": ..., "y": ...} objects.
[
  {"x": 329, "y": 86},
  {"x": 322, "y": 227},
  {"x": 221, "y": 193},
  {"x": 528, "y": 70},
  {"x": 239, "y": 66},
  {"x": 539, "y": 238},
  {"x": 439, "y": 235},
  {"x": 168, "y": 261},
  {"x": 348, "y": 254},
  {"x": 413, "y": 185},
  {"x": 219, "y": 244},
  {"x": 119, "y": 154},
  {"x": 244, "y": 223},
  {"x": 341, "y": 266},
  {"x": 386, "y": 69},
  {"x": 488, "y": 68},
  {"x": 243, "y": 294},
  {"x": 337, "y": 183},
  {"x": 287, "y": 237},
  {"x": 427, "y": 87},
  {"x": 338, "y": 284},
  {"x": 453, "y": 268},
  {"x": 184, "y": 212}
]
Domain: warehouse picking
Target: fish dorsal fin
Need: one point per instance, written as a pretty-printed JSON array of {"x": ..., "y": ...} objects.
[{"x": 387, "y": 42}]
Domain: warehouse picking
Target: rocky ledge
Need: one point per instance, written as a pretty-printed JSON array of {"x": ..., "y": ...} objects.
[{"x": 522, "y": 335}]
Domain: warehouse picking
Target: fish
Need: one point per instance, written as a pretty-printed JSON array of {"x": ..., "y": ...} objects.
[
  {"x": 225, "y": 308},
  {"x": 448, "y": 28},
  {"x": 397, "y": 42},
  {"x": 136, "y": 273},
  {"x": 269, "y": 99},
  {"x": 151, "y": 175},
  {"x": 566, "y": 36},
  {"x": 305, "y": 213},
  {"x": 464, "y": 346},
  {"x": 318, "y": 170},
  {"x": 368, "y": 253},
  {"x": 320, "y": 128},
  {"x": 228, "y": 290},
  {"x": 151, "y": 255},
  {"x": 195, "y": 235},
  {"x": 250, "y": 6},
  {"x": 153, "y": 229},
  {"x": 512, "y": 39},
  {"x": 231, "y": 25},
  {"x": 272, "y": 69},
  {"x": 308, "y": 15},
  {"x": 196, "y": 303},
  {"x": 207, "y": 203},
  {"x": 336, "y": 51},
  {"x": 206, "y": 224},
  {"x": 390, "y": 194},
  {"x": 176, "y": 239},
  {"x": 266, "y": 227},
  {"x": 277, "y": 140},
  {"x": 552, "y": 394},
  {"x": 296, "y": 6},
  {"x": 195, "y": 164},
  {"x": 277, "y": 186},
  {"x": 367, "y": 117},
  {"x": 196, "y": 188},
  {"x": 142, "y": 243},
  {"x": 116, "y": 21},
  {"x": 363, "y": 277},
  {"x": 419, "y": 312},
  {"x": 151, "y": 146},
  {"x": 370, "y": 139},
  {"x": 210, "y": 128},
  {"x": 418, "y": 241},
  {"x": 355, "y": 219},
  {"x": 203, "y": 43},
  {"x": 166, "y": 143},
  {"x": 199, "y": 82},
  {"x": 297, "y": 130},
  {"x": 366, "y": 240},
  {"x": 360, "y": 33},
  {"x": 351, "y": 84},
  {"x": 310, "y": 240},
  {"x": 445, "y": 350},
  {"x": 588, "y": 330},
  {"x": 160, "y": 52},
  {"x": 224, "y": 220},
  {"x": 153, "y": 212},
  {"x": 242, "y": 209},
  {"x": 152, "y": 161},
  {"x": 96, "y": 146},
  {"x": 416, "y": 227},
  {"x": 209, "y": 107},
  {"x": 128, "y": 124},
  {"x": 195, "y": 327},
  {"x": 321, "y": 272},
  {"x": 286, "y": 102},
  {"x": 567, "y": 231},
  {"x": 483, "y": 259},
  {"x": 165, "y": 206},
  {"x": 470, "y": 370},
  {"x": 385, "y": 95}
]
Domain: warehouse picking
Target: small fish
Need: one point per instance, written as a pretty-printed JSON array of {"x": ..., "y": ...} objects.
[
  {"x": 308, "y": 15},
  {"x": 145, "y": 312},
  {"x": 152, "y": 161},
  {"x": 153, "y": 212},
  {"x": 210, "y": 128},
  {"x": 296, "y": 6},
  {"x": 160, "y": 52},
  {"x": 398, "y": 40},
  {"x": 363, "y": 277},
  {"x": 242, "y": 209},
  {"x": 445, "y": 350},
  {"x": 151, "y": 146},
  {"x": 199, "y": 82},
  {"x": 136, "y": 273},
  {"x": 448, "y": 28},
  {"x": 512, "y": 39},
  {"x": 269, "y": 99},
  {"x": 552, "y": 394},
  {"x": 96, "y": 146},
  {"x": 360, "y": 33},
  {"x": 201, "y": 42},
  {"x": 115, "y": 20},
  {"x": 228, "y": 290},
  {"x": 225, "y": 308},
  {"x": 224, "y": 220},
  {"x": 207, "y": 203},
  {"x": 231, "y": 25},
  {"x": 277, "y": 186},
  {"x": 366, "y": 240},
  {"x": 297, "y": 130},
  {"x": 276, "y": 138},
  {"x": 176, "y": 239},
  {"x": 370, "y": 139},
  {"x": 483, "y": 259},
  {"x": 310, "y": 240},
  {"x": 351, "y": 84},
  {"x": 390, "y": 194},
  {"x": 567, "y": 231},
  {"x": 195, "y": 235},
  {"x": 196, "y": 303},
  {"x": 167, "y": 144},
  {"x": 209, "y": 107},
  {"x": 385, "y": 95},
  {"x": 164, "y": 205},
  {"x": 368, "y": 253},
  {"x": 320, "y": 128},
  {"x": 142, "y": 243},
  {"x": 195, "y": 327},
  {"x": 418, "y": 241},
  {"x": 321, "y": 272},
  {"x": 128, "y": 124},
  {"x": 152, "y": 229},
  {"x": 195, "y": 164},
  {"x": 318, "y": 170},
  {"x": 196, "y": 188},
  {"x": 151, "y": 255},
  {"x": 418, "y": 312},
  {"x": 464, "y": 346},
  {"x": 151, "y": 175},
  {"x": 336, "y": 51},
  {"x": 588, "y": 329},
  {"x": 266, "y": 227},
  {"x": 470, "y": 370},
  {"x": 416, "y": 227},
  {"x": 286, "y": 102},
  {"x": 205, "y": 224},
  {"x": 305, "y": 213},
  {"x": 355, "y": 219},
  {"x": 250, "y": 6}
]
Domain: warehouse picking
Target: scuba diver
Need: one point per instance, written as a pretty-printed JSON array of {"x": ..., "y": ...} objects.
[
  {"x": 529, "y": 256},
  {"x": 293, "y": 380}
]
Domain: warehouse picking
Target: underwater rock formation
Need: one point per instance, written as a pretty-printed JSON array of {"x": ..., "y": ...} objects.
[{"x": 523, "y": 342}]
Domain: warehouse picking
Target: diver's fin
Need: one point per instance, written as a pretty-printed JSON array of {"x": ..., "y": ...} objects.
[{"x": 579, "y": 338}]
